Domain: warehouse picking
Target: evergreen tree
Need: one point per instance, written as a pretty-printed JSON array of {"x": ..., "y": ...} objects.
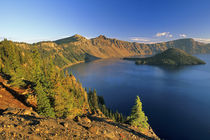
[
  {"x": 36, "y": 71},
  {"x": 63, "y": 102},
  {"x": 43, "y": 103},
  {"x": 137, "y": 117},
  {"x": 95, "y": 100},
  {"x": 17, "y": 78}
]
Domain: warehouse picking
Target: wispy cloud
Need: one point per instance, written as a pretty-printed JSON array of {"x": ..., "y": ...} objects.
[
  {"x": 183, "y": 35},
  {"x": 89, "y": 37},
  {"x": 140, "y": 39},
  {"x": 164, "y": 34},
  {"x": 203, "y": 40},
  {"x": 145, "y": 40},
  {"x": 170, "y": 36}
]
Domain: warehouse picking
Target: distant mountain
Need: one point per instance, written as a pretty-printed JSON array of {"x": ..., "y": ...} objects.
[
  {"x": 70, "y": 39},
  {"x": 172, "y": 56},
  {"x": 76, "y": 48}
]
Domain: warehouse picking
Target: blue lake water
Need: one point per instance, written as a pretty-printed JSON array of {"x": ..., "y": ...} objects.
[{"x": 176, "y": 100}]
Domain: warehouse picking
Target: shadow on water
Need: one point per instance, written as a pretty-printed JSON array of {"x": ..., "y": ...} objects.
[{"x": 173, "y": 68}]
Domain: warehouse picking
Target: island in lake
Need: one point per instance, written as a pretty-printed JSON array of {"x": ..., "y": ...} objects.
[{"x": 171, "y": 56}]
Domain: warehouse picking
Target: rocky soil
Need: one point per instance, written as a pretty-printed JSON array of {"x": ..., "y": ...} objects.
[
  {"x": 8, "y": 97},
  {"x": 27, "y": 124},
  {"x": 18, "y": 121}
]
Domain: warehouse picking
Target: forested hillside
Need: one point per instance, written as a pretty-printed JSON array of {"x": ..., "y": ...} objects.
[{"x": 50, "y": 91}]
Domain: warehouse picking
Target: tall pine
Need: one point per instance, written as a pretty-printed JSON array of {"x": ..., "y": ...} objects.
[
  {"x": 43, "y": 103},
  {"x": 137, "y": 117}
]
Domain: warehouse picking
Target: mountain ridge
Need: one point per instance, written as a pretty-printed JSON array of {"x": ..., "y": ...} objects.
[{"x": 74, "y": 49}]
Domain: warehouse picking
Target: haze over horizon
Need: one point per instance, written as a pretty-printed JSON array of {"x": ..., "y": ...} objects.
[{"x": 144, "y": 21}]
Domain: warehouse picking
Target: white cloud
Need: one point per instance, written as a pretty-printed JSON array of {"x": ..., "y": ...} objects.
[
  {"x": 183, "y": 35},
  {"x": 170, "y": 36},
  {"x": 89, "y": 37},
  {"x": 164, "y": 34},
  {"x": 145, "y": 40},
  {"x": 139, "y": 39},
  {"x": 203, "y": 40}
]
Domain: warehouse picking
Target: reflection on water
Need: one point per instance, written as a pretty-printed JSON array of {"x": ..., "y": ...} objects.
[{"x": 175, "y": 99}]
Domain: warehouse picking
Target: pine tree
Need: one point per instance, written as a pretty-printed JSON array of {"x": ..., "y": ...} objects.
[
  {"x": 37, "y": 73},
  {"x": 63, "y": 102},
  {"x": 137, "y": 117},
  {"x": 17, "y": 78},
  {"x": 43, "y": 103},
  {"x": 95, "y": 100}
]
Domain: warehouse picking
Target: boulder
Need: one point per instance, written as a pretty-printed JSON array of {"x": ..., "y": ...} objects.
[
  {"x": 94, "y": 130},
  {"x": 109, "y": 134},
  {"x": 18, "y": 111},
  {"x": 86, "y": 119}
]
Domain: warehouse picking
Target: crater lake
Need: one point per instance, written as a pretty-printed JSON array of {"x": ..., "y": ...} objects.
[{"x": 176, "y": 100}]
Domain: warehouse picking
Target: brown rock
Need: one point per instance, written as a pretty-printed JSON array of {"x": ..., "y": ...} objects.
[
  {"x": 110, "y": 135},
  {"x": 18, "y": 111},
  {"x": 66, "y": 124},
  {"x": 94, "y": 130},
  {"x": 28, "y": 112},
  {"x": 37, "y": 130},
  {"x": 86, "y": 119},
  {"x": 11, "y": 111}
]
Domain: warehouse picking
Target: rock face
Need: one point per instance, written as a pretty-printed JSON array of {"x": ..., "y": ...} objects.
[
  {"x": 21, "y": 124},
  {"x": 172, "y": 56}
]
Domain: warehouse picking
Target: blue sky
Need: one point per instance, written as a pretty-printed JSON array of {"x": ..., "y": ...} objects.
[{"x": 133, "y": 20}]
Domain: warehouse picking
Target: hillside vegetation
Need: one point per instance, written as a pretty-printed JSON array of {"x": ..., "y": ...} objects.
[
  {"x": 172, "y": 56},
  {"x": 37, "y": 82}
]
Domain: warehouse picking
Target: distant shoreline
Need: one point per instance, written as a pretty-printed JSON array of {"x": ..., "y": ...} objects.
[{"x": 71, "y": 64}]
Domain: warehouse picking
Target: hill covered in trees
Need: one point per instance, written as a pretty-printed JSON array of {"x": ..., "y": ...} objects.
[
  {"x": 50, "y": 91},
  {"x": 172, "y": 56}
]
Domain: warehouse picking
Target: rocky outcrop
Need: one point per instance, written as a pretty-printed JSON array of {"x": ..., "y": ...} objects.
[{"x": 19, "y": 111}]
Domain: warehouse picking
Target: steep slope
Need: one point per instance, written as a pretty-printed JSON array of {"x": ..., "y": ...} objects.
[
  {"x": 8, "y": 97},
  {"x": 172, "y": 56}
]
